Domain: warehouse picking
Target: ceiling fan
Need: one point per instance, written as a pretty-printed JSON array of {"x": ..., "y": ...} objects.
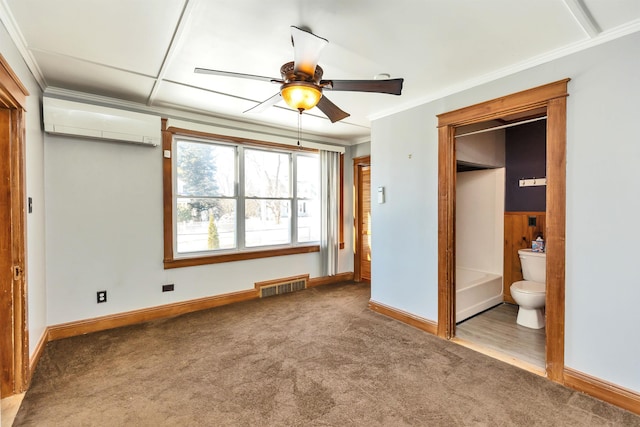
[{"x": 301, "y": 85}]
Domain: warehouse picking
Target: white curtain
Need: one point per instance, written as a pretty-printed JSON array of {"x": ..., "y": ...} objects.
[{"x": 330, "y": 199}]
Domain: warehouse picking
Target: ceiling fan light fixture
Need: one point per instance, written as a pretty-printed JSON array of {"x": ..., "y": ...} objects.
[{"x": 301, "y": 95}]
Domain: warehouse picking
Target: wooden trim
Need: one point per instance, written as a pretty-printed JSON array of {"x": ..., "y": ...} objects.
[
  {"x": 404, "y": 317},
  {"x": 531, "y": 213},
  {"x": 19, "y": 249},
  {"x": 341, "y": 208},
  {"x": 358, "y": 163},
  {"x": 446, "y": 232},
  {"x": 238, "y": 256},
  {"x": 259, "y": 285},
  {"x": 552, "y": 99},
  {"x": 81, "y": 327},
  {"x": 15, "y": 361},
  {"x": 37, "y": 354},
  {"x": 236, "y": 140},
  {"x": 526, "y": 100},
  {"x": 603, "y": 390},
  {"x": 13, "y": 94},
  {"x": 330, "y": 280},
  {"x": 555, "y": 220},
  {"x": 167, "y": 192}
]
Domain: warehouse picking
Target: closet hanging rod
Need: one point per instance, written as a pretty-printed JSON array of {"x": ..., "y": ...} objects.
[{"x": 502, "y": 126}]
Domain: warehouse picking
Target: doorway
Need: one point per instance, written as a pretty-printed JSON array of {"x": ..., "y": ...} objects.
[
  {"x": 14, "y": 341},
  {"x": 496, "y": 216},
  {"x": 362, "y": 222},
  {"x": 550, "y": 100}
]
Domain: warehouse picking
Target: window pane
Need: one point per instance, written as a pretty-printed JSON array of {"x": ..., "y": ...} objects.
[
  {"x": 308, "y": 220},
  {"x": 266, "y": 174},
  {"x": 205, "y": 170},
  {"x": 308, "y": 177},
  {"x": 268, "y": 222},
  {"x": 205, "y": 224}
]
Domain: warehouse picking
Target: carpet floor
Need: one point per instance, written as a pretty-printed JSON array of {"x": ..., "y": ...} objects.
[{"x": 317, "y": 357}]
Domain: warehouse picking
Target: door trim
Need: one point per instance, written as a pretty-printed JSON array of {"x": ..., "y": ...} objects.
[
  {"x": 552, "y": 99},
  {"x": 358, "y": 164},
  {"x": 13, "y": 95}
]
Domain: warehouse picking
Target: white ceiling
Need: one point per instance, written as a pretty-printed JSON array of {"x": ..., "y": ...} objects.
[{"x": 144, "y": 51}]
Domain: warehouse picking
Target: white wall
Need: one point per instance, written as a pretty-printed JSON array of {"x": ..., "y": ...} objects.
[
  {"x": 602, "y": 287},
  {"x": 480, "y": 220},
  {"x": 36, "y": 291},
  {"x": 104, "y": 232}
]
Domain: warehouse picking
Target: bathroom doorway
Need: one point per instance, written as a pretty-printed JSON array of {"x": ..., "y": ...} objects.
[
  {"x": 496, "y": 216},
  {"x": 549, "y": 100}
]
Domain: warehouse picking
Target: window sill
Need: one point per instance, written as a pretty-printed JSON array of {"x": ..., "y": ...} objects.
[{"x": 238, "y": 256}]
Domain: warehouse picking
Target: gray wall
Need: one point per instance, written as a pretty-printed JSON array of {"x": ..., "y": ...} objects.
[{"x": 602, "y": 291}]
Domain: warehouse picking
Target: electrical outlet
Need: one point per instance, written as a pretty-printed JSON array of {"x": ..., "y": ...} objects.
[
  {"x": 102, "y": 296},
  {"x": 167, "y": 288}
]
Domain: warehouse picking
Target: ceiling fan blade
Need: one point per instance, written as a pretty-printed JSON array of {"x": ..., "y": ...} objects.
[
  {"x": 259, "y": 108},
  {"x": 331, "y": 110},
  {"x": 238, "y": 75},
  {"x": 390, "y": 86},
  {"x": 306, "y": 50}
]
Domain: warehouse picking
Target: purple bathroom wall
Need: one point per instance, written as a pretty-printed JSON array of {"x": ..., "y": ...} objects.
[{"x": 525, "y": 157}]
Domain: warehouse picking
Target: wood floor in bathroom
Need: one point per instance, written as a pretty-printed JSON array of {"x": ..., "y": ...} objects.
[{"x": 496, "y": 329}]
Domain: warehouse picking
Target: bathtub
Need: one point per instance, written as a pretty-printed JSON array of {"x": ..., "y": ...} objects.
[{"x": 476, "y": 291}]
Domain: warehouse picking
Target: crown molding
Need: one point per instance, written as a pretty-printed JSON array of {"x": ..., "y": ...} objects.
[{"x": 18, "y": 39}]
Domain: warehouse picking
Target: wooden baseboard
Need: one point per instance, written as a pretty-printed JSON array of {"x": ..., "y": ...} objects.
[
  {"x": 37, "y": 354},
  {"x": 96, "y": 324},
  {"x": 404, "y": 317},
  {"x": 329, "y": 280},
  {"x": 66, "y": 330},
  {"x": 602, "y": 390}
]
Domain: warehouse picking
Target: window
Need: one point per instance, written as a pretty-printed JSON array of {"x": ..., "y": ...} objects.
[{"x": 233, "y": 198}]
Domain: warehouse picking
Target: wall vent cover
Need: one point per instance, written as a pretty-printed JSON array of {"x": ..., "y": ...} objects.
[{"x": 283, "y": 287}]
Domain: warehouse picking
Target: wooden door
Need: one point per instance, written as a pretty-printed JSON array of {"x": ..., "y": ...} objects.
[
  {"x": 365, "y": 223},
  {"x": 362, "y": 218}
]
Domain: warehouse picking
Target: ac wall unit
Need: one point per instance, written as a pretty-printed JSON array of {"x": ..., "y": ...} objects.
[{"x": 73, "y": 118}]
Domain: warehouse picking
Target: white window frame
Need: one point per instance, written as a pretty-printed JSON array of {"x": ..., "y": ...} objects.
[{"x": 240, "y": 198}]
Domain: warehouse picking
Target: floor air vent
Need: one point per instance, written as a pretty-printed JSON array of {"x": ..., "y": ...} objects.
[{"x": 284, "y": 286}]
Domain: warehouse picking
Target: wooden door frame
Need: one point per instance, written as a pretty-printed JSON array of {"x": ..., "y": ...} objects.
[
  {"x": 552, "y": 98},
  {"x": 358, "y": 164},
  {"x": 13, "y": 96}
]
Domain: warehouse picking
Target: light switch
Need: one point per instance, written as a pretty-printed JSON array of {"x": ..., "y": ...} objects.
[{"x": 380, "y": 195}]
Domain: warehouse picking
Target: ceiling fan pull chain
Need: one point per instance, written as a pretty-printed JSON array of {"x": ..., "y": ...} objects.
[{"x": 299, "y": 127}]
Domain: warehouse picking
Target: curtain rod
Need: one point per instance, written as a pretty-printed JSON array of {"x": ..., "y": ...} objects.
[{"x": 502, "y": 126}]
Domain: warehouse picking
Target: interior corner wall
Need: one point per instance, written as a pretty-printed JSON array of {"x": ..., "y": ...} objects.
[
  {"x": 601, "y": 247},
  {"x": 34, "y": 175},
  {"x": 480, "y": 220}
]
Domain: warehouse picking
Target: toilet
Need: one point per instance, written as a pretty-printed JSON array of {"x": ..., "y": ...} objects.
[{"x": 530, "y": 293}]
